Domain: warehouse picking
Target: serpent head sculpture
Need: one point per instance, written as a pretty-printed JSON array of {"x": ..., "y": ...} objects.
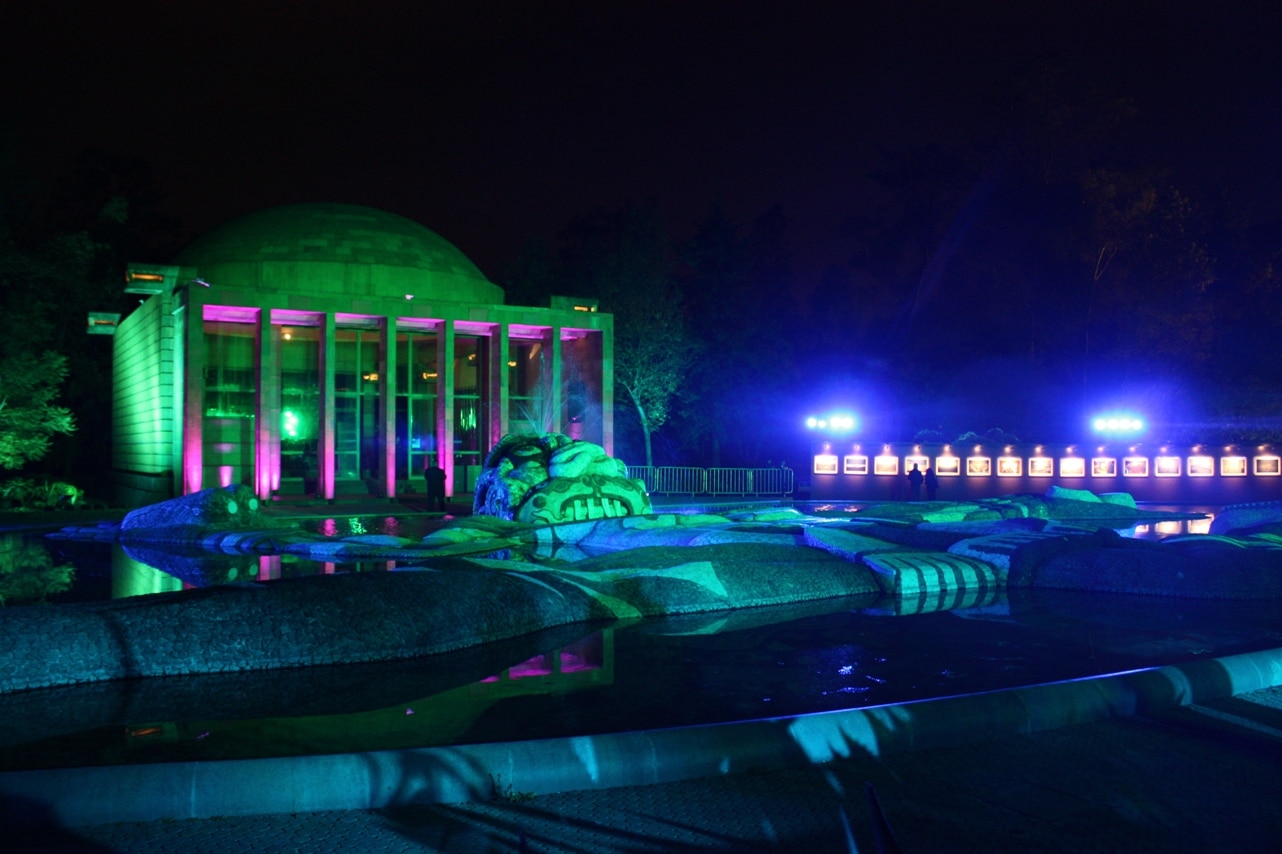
[{"x": 552, "y": 478}]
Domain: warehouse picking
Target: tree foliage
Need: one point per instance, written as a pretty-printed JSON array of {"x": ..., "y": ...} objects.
[
  {"x": 29, "y": 418},
  {"x": 61, "y": 257},
  {"x": 622, "y": 257},
  {"x": 653, "y": 355}
]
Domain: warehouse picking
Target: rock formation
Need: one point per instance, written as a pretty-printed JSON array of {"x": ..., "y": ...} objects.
[{"x": 451, "y": 591}]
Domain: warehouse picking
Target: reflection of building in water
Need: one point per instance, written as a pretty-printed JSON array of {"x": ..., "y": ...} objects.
[
  {"x": 440, "y": 719},
  {"x": 132, "y": 577},
  {"x": 332, "y": 348},
  {"x": 593, "y": 655}
]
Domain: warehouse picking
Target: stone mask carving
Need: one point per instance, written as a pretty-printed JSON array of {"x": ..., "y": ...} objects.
[{"x": 552, "y": 478}]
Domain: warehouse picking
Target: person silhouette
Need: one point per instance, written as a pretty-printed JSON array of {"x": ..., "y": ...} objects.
[
  {"x": 435, "y": 477},
  {"x": 915, "y": 479},
  {"x": 932, "y": 484}
]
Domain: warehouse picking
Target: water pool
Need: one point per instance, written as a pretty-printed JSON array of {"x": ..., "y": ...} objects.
[
  {"x": 669, "y": 672},
  {"x": 581, "y": 680},
  {"x": 64, "y": 571}
]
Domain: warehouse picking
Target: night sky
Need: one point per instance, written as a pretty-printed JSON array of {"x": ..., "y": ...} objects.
[{"x": 493, "y": 123}]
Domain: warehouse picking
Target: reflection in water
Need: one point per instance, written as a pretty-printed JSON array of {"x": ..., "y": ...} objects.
[
  {"x": 654, "y": 673},
  {"x": 29, "y": 573},
  {"x": 328, "y": 710},
  {"x": 133, "y": 577},
  {"x": 441, "y": 718},
  {"x": 593, "y": 653},
  {"x": 351, "y": 526},
  {"x": 666, "y": 672},
  {"x": 194, "y": 567},
  {"x": 1175, "y": 527}
]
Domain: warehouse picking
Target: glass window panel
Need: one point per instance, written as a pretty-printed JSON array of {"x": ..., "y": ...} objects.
[
  {"x": 581, "y": 377},
  {"x": 300, "y": 384},
  {"x": 415, "y": 403},
  {"x": 356, "y": 404},
  {"x": 471, "y": 402},
  {"x": 231, "y": 384},
  {"x": 528, "y": 395}
]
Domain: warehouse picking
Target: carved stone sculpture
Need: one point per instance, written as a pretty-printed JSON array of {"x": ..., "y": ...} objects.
[{"x": 552, "y": 478}]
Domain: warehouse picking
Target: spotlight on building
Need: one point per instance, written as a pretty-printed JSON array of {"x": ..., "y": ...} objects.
[
  {"x": 837, "y": 422},
  {"x": 1118, "y": 424}
]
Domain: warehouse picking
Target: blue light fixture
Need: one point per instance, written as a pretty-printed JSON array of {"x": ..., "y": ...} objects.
[
  {"x": 1119, "y": 424},
  {"x": 837, "y": 422}
]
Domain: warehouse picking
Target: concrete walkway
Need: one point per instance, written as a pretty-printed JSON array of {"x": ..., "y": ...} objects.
[{"x": 1195, "y": 778}]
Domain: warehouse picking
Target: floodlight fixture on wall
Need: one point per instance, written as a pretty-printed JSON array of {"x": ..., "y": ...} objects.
[
  {"x": 837, "y": 422},
  {"x": 1118, "y": 424}
]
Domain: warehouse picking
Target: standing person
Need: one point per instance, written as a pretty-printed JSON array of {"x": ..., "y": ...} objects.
[
  {"x": 932, "y": 484},
  {"x": 914, "y": 483},
  {"x": 435, "y": 477}
]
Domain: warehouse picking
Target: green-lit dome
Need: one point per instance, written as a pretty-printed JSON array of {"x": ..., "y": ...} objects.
[{"x": 329, "y": 247}]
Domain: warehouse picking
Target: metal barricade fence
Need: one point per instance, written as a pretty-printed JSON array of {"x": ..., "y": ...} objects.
[
  {"x": 730, "y": 482},
  {"x": 679, "y": 480},
  {"x": 772, "y": 481},
  {"x": 687, "y": 480},
  {"x": 645, "y": 474}
]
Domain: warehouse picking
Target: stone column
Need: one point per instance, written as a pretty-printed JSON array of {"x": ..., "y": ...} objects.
[
  {"x": 266, "y": 407},
  {"x": 193, "y": 406},
  {"x": 500, "y": 394},
  {"x": 387, "y": 403},
  {"x": 556, "y": 382},
  {"x": 445, "y": 401},
  {"x": 325, "y": 417},
  {"x": 607, "y": 385}
]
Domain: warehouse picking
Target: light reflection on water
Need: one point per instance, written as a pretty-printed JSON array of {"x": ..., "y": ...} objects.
[
  {"x": 657, "y": 673},
  {"x": 351, "y": 526},
  {"x": 675, "y": 671},
  {"x": 69, "y": 571}
]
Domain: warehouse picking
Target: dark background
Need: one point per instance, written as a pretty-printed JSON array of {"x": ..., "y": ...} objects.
[{"x": 948, "y": 216}]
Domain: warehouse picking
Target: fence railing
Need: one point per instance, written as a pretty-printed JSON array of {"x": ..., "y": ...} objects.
[{"x": 687, "y": 480}]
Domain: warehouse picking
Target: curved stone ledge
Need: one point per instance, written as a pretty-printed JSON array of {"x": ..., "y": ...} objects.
[
  {"x": 448, "y": 605},
  {"x": 917, "y": 556}
]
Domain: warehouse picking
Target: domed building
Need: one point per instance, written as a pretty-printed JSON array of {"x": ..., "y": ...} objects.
[{"x": 324, "y": 349}]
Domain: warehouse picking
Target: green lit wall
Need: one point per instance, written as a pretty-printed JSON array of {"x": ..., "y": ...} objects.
[
  {"x": 332, "y": 349},
  {"x": 143, "y": 421}
]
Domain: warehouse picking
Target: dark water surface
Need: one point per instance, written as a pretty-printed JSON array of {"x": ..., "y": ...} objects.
[
  {"x": 583, "y": 680},
  {"x": 652, "y": 674}
]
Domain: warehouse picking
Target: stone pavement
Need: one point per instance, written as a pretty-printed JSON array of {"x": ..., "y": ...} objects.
[{"x": 1195, "y": 778}]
